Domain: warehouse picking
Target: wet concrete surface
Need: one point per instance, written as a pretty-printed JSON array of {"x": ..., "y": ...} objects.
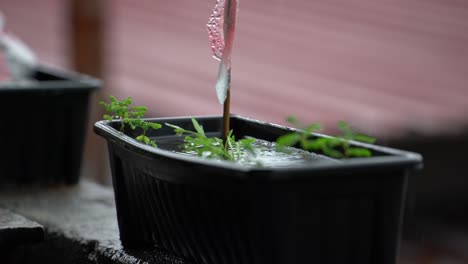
[
  {"x": 16, "y": 230},
  {"x": 81, "y": 227}
]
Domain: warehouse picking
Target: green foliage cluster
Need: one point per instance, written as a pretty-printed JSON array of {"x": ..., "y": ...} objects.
[
  {"x": 130, "y": 115},
  {"x": 336, "y": 147},
  {"x": 213, "y": 147}
]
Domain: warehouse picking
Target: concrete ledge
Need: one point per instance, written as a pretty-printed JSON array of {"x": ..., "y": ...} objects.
[
  {"x": 16, "y": 230},
  {"x": 81, "y": 227}
]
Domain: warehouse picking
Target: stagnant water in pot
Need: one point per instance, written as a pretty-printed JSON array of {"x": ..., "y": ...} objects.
[{"x": 266, "y": 154}]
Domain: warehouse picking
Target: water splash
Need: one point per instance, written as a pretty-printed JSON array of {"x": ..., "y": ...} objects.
[
  {"x": 221, "y": 29},
  {"x": 266, "y": 154}
]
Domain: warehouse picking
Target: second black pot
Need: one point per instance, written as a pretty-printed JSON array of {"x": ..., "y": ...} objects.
[{"x": 43, "y": 128}]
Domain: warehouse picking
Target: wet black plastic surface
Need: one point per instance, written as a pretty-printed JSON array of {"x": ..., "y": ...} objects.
[
  {"x": 220, "y": 212},
  {"x": 43, "y": 128}
]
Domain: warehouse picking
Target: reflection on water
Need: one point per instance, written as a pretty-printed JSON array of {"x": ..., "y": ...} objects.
[{"x": 266, "y": 154}]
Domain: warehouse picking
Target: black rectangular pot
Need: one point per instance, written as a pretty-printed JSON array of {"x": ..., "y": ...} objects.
[
  {"x": 43, "y": 128},
  {"x": 215, "y": 212}
]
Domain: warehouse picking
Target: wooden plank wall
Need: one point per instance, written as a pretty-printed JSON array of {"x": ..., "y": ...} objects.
[{"x": 389, "y": 67}]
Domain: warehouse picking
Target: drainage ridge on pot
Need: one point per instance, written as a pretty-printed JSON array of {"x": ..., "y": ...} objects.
[
  {"x": 44, "y": 130},
  {"x": 220, "y": 212}
]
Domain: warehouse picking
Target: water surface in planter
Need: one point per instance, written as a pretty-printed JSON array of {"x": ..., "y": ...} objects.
[{"x": 266, "y": 154}]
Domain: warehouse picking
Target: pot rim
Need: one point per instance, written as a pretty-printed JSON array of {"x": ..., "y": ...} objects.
[
  {"x": 392, "y": 158},
  {"x": 66, "y": 80}
]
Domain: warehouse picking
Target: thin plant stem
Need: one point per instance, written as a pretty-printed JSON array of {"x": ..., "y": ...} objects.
[{"x": 226, "y": 119}]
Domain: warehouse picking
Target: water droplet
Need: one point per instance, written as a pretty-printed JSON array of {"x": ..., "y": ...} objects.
[{"x": 215, "y": 30}]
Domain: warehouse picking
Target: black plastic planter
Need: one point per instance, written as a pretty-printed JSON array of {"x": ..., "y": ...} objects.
[
  {"x": 215, "y": 212},
  {"x": 43, "y": 128}
]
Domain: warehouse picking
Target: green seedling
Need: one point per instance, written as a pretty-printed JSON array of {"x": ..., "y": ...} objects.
[
  {"x": 130, "y": 115},
  {"x": 212, "y": 147},
  {"x": 336, "y": 147},
  {"x": 232, "y": 149}
]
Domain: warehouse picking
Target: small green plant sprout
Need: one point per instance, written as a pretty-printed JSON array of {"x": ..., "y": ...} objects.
[
  {"x": 336, "y": 147},
  {"x": 130, "y": 115},
  {"x": 212, "y": 147}
]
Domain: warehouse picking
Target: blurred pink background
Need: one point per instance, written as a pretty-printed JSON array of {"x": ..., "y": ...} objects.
[{"x": 388, "y": 67}]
